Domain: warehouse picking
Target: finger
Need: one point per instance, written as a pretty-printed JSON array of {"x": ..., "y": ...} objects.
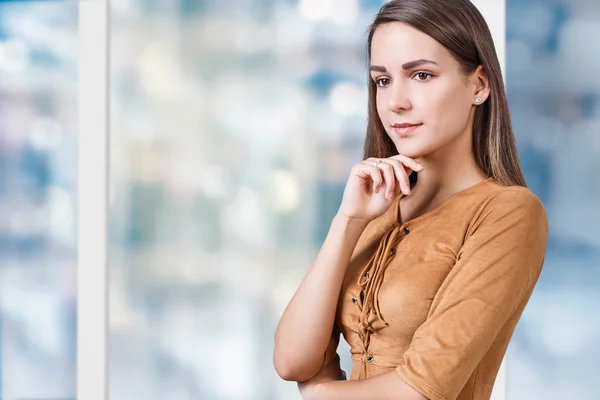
[
  {"x": 398, "y": 191},
  {"x": 367, "y": 170},
  {"x": 401, "y": 175},
  {"x": 408, "y": 162},
  {"x": 390, "y": 178}
]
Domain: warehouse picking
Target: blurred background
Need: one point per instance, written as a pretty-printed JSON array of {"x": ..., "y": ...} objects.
[
  {"x": 38, "y": 176},
  {"x": 233, "y": 128}
]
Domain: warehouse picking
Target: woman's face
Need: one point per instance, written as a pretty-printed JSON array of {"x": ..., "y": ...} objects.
[{"x": 419, "y": 82}]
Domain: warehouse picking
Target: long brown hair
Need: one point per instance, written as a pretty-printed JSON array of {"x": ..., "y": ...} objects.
[{"x": 461, "y": 29}]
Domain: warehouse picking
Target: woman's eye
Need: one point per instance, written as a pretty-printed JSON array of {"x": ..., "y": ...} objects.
[
  {"x": 382, "y": 82},
  {"x": 423, "y": 76}
]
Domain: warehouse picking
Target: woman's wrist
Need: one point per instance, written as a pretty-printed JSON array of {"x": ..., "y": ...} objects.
[{"x": 350, "y": 222}]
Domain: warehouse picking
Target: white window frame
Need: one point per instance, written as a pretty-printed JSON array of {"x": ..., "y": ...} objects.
[
  {"x": 92, "y": 200},
  {"x": 93, "y": 186}
]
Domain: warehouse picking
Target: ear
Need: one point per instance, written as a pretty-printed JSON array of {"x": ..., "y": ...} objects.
[{"x": 481, "y": 85}]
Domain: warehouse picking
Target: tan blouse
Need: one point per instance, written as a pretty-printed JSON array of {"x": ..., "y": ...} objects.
[{"x": 437, "y": 298}]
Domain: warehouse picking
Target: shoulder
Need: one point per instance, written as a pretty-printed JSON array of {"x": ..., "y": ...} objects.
[
  {"x": 511, "y": 206},
  {"x": 510, "y": 223},
  {"x": 514, "y": 196}
]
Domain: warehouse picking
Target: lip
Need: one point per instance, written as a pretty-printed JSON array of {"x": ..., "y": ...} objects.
[{"x": 405, "y": 129}]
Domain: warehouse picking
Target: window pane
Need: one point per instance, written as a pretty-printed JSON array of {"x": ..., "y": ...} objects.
[
  {"x": 234, "y": 126},
  {"x": 555, "y": 351},
  {"x": 38, "y": 150}
]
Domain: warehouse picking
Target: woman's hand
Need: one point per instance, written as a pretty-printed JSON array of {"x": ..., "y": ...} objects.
[
  {"x": 374, "y": 184},
  {"x": 331, "y": 372}
]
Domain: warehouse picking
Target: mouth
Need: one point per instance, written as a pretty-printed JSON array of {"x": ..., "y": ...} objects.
[{"x": 405, "y": 129}]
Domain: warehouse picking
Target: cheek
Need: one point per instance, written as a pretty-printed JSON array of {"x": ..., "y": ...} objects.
[
  {"x": 382, "y": 109},
  {"x": 446, "y": 110}
]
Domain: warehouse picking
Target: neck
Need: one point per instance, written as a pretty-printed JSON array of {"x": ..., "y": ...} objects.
[{"x": 449, "y": 170}]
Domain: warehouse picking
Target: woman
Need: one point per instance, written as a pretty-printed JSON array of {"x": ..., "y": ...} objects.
[{"x": 438, "y": 243}]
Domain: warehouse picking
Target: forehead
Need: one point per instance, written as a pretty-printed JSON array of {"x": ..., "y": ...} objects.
[{"x": 397, "y": 43}]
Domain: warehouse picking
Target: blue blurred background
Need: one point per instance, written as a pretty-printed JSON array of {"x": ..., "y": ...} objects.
[
  {"x": 234, "y": 125},
  {"x": 38, "y": 160}
]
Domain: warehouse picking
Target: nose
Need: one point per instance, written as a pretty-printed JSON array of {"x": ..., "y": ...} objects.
[{"x": 399, "y": 98}]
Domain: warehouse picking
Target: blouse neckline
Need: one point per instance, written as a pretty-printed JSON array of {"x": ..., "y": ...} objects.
[{"x": 397, "y": 214}]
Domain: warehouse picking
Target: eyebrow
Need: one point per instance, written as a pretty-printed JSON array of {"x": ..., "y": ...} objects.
[{"x": 408, "y": 65}]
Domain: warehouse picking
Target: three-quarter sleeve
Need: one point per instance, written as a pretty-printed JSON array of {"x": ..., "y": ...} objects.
[{"x": 491, "y": 281}]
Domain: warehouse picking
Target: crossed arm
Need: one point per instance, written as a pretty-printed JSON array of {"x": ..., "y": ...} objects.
[{"x": 330, "y": 384}]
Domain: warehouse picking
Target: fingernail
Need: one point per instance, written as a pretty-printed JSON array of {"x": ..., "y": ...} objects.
[{"x": 407, "y": 189}]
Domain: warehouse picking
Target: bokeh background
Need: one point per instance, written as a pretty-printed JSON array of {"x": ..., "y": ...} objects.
[{"x": 233, "y": 128}]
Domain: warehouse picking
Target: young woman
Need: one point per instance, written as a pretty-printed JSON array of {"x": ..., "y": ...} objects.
[{"x": 438, "y": 243}]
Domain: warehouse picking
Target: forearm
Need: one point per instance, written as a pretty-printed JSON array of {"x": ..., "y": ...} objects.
[
  {"x": 387, "y": 386},
  {"x": 305, "y": 327}
]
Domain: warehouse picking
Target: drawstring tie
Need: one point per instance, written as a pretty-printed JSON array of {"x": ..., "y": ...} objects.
[{"x": 370, "y": 280}]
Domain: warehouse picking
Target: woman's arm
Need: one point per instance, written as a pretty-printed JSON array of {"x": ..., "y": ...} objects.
[
  {"x": 331, "y": 384},
  {"x": 305, "y": 327},
  {"x": 387, "y": 386}
]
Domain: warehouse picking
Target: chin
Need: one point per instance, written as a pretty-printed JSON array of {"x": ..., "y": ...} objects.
[
  {"x": 410, "y": 151},
  {"x": 417, "y": 150}
]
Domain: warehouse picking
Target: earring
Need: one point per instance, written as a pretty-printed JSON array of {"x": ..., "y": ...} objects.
[{"x": 478, "y": 100}]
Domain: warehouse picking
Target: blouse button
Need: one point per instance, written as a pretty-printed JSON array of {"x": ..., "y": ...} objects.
[
  {"x": 406, "y": 230},
  {"x": 370, "y": 358},
  {"x": 354, "y": 300},
  {"x": 366, "y": 276}
]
